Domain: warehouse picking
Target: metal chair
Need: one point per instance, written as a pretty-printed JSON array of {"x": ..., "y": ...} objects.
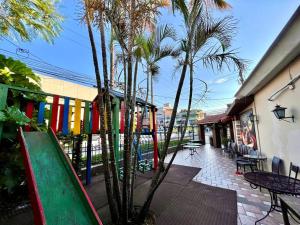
[
  {"x": 295, "y": 169},
  {"x": 241, "y": 161},
  {"x": 228, "y": 151},
  {"x": 276, "y": 165}
]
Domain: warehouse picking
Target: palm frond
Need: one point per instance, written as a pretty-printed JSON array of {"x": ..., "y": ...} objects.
[
  {"x": 163, "y": 52},
  {"x": 221, "y": 31},
  {"x": 220, "y": 4},
  {"x": 154, "y": 69},
  {"x": 218, "y": 60},
  {"x": 181, "y": 6},
  {"x": 165, "y": 31}
]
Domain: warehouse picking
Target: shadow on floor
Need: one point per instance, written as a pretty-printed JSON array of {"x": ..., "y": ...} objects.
[{"x": 178, "y": 201}]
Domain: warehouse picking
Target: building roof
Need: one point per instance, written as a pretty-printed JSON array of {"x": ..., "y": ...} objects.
[
  {"x": 120, "y": 96},
  {"x": 284, "y": 49},
  {"x": 239, "y": 105},
  {"x": 220, "y": 118}
]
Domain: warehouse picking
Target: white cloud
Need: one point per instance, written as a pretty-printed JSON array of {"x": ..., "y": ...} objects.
[{"x": 220, "y": 81}]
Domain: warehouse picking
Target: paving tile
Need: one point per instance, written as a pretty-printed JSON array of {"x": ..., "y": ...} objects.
[{"x": 218, "y": 170}]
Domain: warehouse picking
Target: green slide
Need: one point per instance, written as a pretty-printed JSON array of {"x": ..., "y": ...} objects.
[{"x": 57, "y": 195}]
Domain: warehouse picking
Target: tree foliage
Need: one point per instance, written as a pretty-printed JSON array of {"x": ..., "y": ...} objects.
[
  {"x": 27, "y": 19},
  {"x": 14, "y": 73},
  {"x": 140, "y": 41}
]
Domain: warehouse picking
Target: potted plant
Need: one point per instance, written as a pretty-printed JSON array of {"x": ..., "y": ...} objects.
[{"x": 224, "y": 141}]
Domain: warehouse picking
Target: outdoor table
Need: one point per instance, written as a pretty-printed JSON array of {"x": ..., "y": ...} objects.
[
  {"x": 192, "y": 148},
  {"x": 290, "y": 205},
  {"x": 194, "y": 141},
  {"x": 259, "y": 159},
  {"x": 194, "y": 144},
  {"x": 275, "y": 184}
]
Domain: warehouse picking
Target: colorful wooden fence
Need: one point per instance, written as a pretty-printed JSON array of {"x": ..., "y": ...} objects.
[{"x": 75, "y": 116}]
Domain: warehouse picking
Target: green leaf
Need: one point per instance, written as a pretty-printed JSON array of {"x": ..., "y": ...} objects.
[
  {"x": 3, "y": 116},
  {"x": 14, "y": 114}
]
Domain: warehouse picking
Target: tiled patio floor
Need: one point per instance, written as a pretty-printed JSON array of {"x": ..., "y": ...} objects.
[{"x": 219, "y": 170}]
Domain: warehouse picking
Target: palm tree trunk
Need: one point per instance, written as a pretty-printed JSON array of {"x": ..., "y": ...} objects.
[
  {"x": 112, "y": 59},
  {"x": 128, "y": 129},
  {"x": 134, "y": 161},
  {"x": 100, "y": 104},
  {"x": 132, "y": 115},
  {"x": 108, "y": 115},
  {"x": 148, "y": 201},
  {"x": 152, "y": 94},
  {"x": 171, "y": 124}
]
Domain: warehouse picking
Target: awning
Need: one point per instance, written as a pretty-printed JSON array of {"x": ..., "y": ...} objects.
[
  {"x": 220, "y": 118},
  {"x": 239, "y": 105}
]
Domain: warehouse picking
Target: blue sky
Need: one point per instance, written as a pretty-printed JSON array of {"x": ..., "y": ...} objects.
[{"x": 259, "y": 22}]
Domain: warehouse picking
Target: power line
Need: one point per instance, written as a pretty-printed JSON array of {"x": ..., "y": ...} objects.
[{"x": 50, "y": 69}]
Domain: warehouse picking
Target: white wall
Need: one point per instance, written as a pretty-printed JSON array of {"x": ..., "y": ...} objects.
[
  {"x": 66, "y": 88},
  {"x": 280, "y": 138}
]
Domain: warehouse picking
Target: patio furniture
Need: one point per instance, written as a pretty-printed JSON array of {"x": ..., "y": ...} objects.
[
  {"x": 275, "y": 184},
  {"x": 276, "y": 165},
  {"x": 192, "y": 148},
  {"x": 228, "y": 150},
  {"x": 295, "y": 169},
  {"x": 195, "y": 141},
  {"x": 257, "y": 159},
  {"x": 290, "y": 208},
  {"x": 243, "y": 162}
]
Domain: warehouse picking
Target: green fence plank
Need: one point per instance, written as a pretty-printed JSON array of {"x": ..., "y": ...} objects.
[
  {"x": 3, "y": 97},
  {"x": 86, "y": 122},
  {"x": 116, "y": 122}
]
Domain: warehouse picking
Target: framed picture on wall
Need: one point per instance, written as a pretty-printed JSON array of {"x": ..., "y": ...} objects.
[{"x": 248, "y": 134}]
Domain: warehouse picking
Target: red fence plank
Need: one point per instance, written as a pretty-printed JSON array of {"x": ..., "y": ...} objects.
[
  {"x": 54, "y": 113},
  {"x": 29, "y": 112}
]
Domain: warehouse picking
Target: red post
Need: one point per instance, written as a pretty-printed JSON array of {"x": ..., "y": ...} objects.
[
  {"x": 29, "y": 112},
  {"x": 122, "y": 120},
  {"x": 95, "y": 118},
  {"x": 155, "y": 154},
  {"x": 61, "y": 117},
  {"x": 38, "y": 211},
  {"x": 54, "y": 113}
]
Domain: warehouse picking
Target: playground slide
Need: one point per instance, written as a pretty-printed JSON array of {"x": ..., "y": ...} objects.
[{"x": 57, "y": 196}]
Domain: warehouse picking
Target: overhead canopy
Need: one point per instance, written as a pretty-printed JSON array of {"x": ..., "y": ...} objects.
[
  {"x": 120, "y": 96},
  {"x": 239, "y": 105},
  {"x": 220, "y": 118}
]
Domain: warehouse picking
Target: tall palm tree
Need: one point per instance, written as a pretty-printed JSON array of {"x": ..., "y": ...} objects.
[
  {"x": 108, "y": 110},
  {"x": 88, "y": 16},
  {"x": 129, "y": 19},
  {"x": 202, "y": 34}
]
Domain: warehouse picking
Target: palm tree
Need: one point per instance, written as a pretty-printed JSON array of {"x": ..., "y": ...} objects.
[
  {"x": 88, "y": 15},
  {"x": 155, "y": 51},
  {"x": 129, "y": 19},
  {"x": 108, "y": 110},
  {"x": 152, "y": 50},
  {"x": 203, "y": 33},
  {"x": 28, "y": 19}
]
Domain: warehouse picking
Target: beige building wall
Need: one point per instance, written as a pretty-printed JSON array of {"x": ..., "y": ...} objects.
[
  {"x": 66, "y": 88},
  {"x": 279, "y": 138}
]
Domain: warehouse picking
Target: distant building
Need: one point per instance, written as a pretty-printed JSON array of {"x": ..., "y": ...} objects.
[
  {"x": 163, "y": 116},
  {"x": 195, "y": 116}
]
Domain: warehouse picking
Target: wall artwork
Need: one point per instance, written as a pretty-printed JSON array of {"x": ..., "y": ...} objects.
[{"x": 248, "y": 130}]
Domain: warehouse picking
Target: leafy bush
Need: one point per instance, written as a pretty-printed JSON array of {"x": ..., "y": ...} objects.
[{"x": 14, "y": 73}]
